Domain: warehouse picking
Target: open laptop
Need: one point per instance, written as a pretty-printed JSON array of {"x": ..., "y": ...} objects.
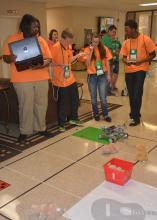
[{"x": 27, "y": 52}]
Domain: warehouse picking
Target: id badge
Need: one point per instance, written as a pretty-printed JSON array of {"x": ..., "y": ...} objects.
[
  {"x": 99, "y": 69},
  {"x": 133, "y": 54},
  {"x": 66, "y": 72}
]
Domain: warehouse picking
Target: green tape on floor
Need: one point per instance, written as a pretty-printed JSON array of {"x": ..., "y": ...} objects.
[{"x": 91, "y": 134}]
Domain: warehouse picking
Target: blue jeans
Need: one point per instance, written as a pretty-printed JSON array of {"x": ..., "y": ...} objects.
[{"x": 98, "y": 82}]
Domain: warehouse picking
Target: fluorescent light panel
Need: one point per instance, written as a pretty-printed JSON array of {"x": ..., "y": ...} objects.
[{"x": 148, "y": 4}]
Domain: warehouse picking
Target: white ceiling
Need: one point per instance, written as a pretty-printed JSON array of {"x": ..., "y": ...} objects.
[{"x": 114, "y": 4}]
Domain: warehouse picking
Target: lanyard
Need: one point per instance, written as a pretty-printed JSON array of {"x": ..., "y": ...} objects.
[
  {"x": 136, "y": 45},
  {"x": 62, "y": 47}
]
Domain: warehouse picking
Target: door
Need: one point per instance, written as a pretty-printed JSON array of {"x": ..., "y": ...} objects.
[{"x": 8, "y": 25}]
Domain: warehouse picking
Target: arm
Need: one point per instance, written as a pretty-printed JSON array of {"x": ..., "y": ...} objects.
[
  {"x": 109, "y": 71},
  {"x": 77, "y": 56},
  {"x": 147, "y": 59},
  {"x": 45, "y": 64},
  {"x": 90, "y": 55}
]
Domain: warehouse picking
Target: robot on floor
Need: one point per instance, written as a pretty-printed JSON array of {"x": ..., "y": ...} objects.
[{"x": 114, "y": 133}]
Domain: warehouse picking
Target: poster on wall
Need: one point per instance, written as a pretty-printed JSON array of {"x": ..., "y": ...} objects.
[
  {"x": 104, "y": 23},
  {"x": 87, "y": 36}
]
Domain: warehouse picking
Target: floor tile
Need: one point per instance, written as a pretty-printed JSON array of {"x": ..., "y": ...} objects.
[
  {"x": 78, "y": 179},
  {"x": 37, "y": 201},
  {"x": 18, "y": 184},
  {"x": 73, "y": 148},
  {"x": 40, "y": 165}
]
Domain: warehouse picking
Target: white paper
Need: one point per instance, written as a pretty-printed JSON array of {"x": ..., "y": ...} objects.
[{"x": 133, "y": 201}]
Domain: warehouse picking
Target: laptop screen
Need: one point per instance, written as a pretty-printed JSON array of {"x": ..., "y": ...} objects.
[{"x": 25, "y": 49}]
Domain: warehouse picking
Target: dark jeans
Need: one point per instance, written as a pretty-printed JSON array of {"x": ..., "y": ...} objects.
[
  {"x": 135, "y": 82},
  {"x": 98, "y": 83},
  {"x": 67, "y": 95}
]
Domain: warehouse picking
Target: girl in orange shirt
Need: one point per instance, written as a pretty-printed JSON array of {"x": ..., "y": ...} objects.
[{"x": 98, "y": 74}]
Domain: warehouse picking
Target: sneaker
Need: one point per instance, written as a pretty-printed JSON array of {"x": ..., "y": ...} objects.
[
  {"x": 108, "y": 119},
  {"x": 22, "y": 138},
  {"x": 76, "y": 122},
  {"x": 111, "y": 93},
  {"x": 45, "y": 133},
  {"x": 97, "y": 117},
  {"x": 134, "y": 122},
  {"x": 61, "y": 128}
]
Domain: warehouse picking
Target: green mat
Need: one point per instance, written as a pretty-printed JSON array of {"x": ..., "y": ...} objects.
[{"x": 91, "y": 134}]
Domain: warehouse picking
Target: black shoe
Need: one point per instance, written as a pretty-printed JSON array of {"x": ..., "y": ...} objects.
[
  {"x": 96, "y": 117},
  {"x": 134, "y": 122},
  {"x": 45, "y": 133},
  {"x": 108, "y": 119},
  {"x": 22, "y": 138}
]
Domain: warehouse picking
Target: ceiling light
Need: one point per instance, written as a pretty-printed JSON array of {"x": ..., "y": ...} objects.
[{"x": 148, "y": 4}]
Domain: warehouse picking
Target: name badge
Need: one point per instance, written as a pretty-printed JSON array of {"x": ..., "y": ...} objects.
[
  {"x": 133, "y": 54},
  {"x": 99, "y": 69},
  {"x": 66, "y": 72}
]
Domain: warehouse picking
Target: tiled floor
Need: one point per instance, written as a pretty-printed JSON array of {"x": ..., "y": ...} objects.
[{"x": 61, "y": 170}]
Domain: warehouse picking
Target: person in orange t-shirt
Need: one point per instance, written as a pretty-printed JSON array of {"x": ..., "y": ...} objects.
[
  {"x": 138, "y": 51},
  {"x": 53, "y": 38},
  {"x": 31, "y": 85},
  {"x": 98, "y": 68},
  {"x": 63, "y": 79}
]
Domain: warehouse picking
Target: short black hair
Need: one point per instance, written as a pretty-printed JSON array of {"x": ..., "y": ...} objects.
[
  {"x": 26, "y": 22},
  {"x": 51, "y": 33},
  {"x": 132, "y": 24},
  {"x": 103, "y": 31},
  {"x": 112, "y": 27}
]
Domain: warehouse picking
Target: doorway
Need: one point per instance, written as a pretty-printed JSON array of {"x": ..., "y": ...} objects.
[{"x": 9, "y": 25}]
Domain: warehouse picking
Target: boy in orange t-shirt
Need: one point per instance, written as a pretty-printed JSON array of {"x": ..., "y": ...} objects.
[
  {"x": 138, "y": 50},
  {"x": 63, "y": 79}
]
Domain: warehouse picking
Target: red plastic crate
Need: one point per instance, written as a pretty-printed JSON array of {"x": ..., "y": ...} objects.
[{"x": 117, "y": 176}]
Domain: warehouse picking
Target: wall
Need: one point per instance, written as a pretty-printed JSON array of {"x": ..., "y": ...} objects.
[
  {"x": 59, "y": 18},
  {"x": 79, "y": 18},
  {"x": 23, "y": 7}
]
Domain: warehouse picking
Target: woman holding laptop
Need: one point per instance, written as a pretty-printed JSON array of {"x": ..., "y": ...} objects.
[{"x": 31, "y": 85}]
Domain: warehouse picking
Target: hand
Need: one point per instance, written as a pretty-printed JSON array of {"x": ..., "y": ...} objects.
[
  {"x": 138, "y": 62},
  {"x": 129, "y": 62},
  {"x": 81, "y": 54},
  {"x": 35, "y": 67},
  {"x": 91, "y": 47},
  {"x": 12, "y": 58},
  {"x": 108, "y": 77},
  {"x": 46, "y": 63}
]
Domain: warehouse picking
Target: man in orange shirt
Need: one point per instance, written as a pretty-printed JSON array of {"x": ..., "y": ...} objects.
[
  {"x": 63, "y": 79},
  {"x": 31, "y": 85},
  {"x": 138, "y": 51}
]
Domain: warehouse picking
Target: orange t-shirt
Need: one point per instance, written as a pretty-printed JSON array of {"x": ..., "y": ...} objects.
[
  {"x": 91, "y": 69},
  {"x": 50, "y": 44},
  {"x": 61, "y": 56},
  {"x": 28, "y": 75},
  {"x": 144, "y": 46}
]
